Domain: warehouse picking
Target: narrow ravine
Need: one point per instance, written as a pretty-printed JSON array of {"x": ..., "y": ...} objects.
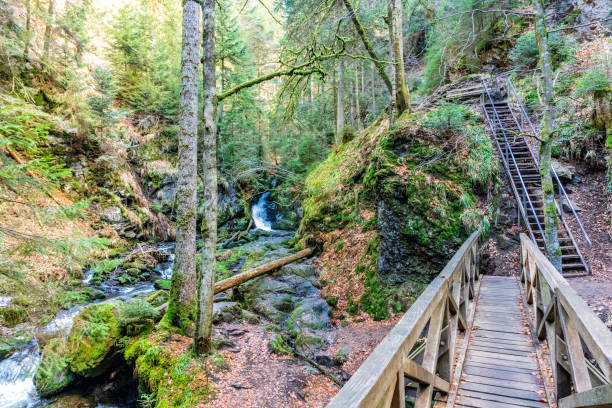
[{"x": 17, "y": 389}]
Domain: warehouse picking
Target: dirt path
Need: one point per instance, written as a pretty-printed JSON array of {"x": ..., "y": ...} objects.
[{"x": 251, "y": 376}]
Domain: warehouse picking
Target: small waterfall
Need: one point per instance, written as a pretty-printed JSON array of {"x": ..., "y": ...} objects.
[{"x": 260, "y": 213}]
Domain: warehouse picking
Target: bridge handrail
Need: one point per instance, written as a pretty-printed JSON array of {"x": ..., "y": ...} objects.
[
  {"x": 580, "y": 345},
  {"x": 443, "y": 308}
]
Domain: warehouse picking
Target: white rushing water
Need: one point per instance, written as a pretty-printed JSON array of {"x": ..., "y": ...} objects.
[
  {"x": 17, "y": 388},
  {"x": 259, "y": 213}
]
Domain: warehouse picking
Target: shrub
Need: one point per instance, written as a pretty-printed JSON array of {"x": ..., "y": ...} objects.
[
  {"x": 449, "y": 116},
  {"x": 525, "y": 51},
  {"x": 593, "y": 82}
]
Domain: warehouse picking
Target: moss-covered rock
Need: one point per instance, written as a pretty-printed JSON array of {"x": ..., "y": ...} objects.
[
  {"x": 92, "y": 339},
  {"x": 417, "y": 185},
  {"x": 53, "y": 374},
  {"x": 174, "y": 379},
  {"x": 158, "y": 298}
]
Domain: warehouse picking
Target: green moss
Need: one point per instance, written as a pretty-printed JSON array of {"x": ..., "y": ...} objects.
[
  {"x": 332, "y": 301},
  {"x": 279, "y": 345},
  {"x": 352, "y": 307},
  {"x": 163, "y": 284},
  {"x": 12, "y": 315},
  {"x": 53, "y": 374},
  {"x": 158, "y": 298},
  {"x": 93, "y": 337},
  {"x": 166, "y": 375}
]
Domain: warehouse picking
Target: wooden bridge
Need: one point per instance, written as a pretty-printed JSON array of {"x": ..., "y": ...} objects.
[{"x": 473, "y": 340}]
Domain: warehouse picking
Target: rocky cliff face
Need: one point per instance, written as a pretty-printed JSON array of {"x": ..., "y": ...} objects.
[{"x": 398, "y": 202}]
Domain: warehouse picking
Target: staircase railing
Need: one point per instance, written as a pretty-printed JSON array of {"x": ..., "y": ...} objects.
[
  {"x": 509, "y": 161},
  {"x": 579, "y": 344},
  {"x": 523, "y": 122},
  {"x": 443, "y": 309}
]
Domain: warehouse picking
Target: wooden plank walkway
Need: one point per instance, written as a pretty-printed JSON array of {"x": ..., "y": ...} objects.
[{"x": 500, "y": 368}]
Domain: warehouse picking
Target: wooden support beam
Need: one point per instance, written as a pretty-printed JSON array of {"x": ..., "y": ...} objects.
[
  {"x": 598, "y": 397},
  {"x": 416, "y": 372}
]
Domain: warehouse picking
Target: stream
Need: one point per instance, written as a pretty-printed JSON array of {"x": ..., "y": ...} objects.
[{"x": 17, "y": 371}]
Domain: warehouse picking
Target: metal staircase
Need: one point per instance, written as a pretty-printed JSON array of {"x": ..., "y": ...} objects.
[{"x": 509, "y": 125}]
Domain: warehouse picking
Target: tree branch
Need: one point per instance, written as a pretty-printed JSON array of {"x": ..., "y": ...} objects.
[{"x": 367, "y": 45}]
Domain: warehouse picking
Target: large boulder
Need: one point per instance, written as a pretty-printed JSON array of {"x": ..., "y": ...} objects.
[
  {"x": 276, "y": 296},
  {"x": 566, "y": 172},
  {"x": 53, "y": 374},
  {"x": 92, "y": 340}
]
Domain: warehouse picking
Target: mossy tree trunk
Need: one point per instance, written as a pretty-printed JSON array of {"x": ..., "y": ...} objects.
[
  {"x": 402, "y": 97},
  {"x": 339, "y": 102},
  {"x": 183, "y": 294},
  {"x": 209, "y": 157},
  {"x": 551, "y": 221}
]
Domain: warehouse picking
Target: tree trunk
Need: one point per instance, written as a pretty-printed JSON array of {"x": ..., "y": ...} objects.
[
  {"x": 183, "y": 291},
  {"x": 402, "y": 97},
  {"x": 551, "y": 221},
  {"x": 26, "y": 48},
  {"x": 339, "y": 104},
  {"x": 366, "y": 43},
  {"x": 209, "y": 158},
  {"x": 392, "y": 38},
  {"x": 48, "y": 28},
  {"x": 357, "y": 107},
  {"x": 373, "y": 90}
]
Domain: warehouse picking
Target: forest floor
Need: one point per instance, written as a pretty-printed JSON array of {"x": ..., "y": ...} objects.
[{"x": 251, "y": 375}]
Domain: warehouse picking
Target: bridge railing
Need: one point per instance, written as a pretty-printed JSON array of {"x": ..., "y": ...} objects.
[
  {"x": 421, "y": 346},
  {"x": 579, "y": 344}
]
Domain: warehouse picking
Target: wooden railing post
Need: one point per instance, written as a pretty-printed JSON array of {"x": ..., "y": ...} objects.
[
  {"x": 443, "y": 308},
  {"x": 579, "y": 344}
]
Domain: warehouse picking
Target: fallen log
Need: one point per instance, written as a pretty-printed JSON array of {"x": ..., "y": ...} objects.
[
  {"x": 236, "y": 280},
  {"x": 239, "y": 279}
]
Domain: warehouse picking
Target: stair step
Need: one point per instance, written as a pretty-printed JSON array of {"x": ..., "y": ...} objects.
[{"x": 572, "y": 266}]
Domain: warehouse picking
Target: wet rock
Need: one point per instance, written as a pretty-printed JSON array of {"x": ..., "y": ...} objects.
[
  {"x": 225, "y": 311},
  {"x": 72, "y": 401},
  {"x": 324, "y": 360},
  {"x": 568, "y": 209},
  {"x": 10, "y": 342},
  {"x": 311, "y": 313}
]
